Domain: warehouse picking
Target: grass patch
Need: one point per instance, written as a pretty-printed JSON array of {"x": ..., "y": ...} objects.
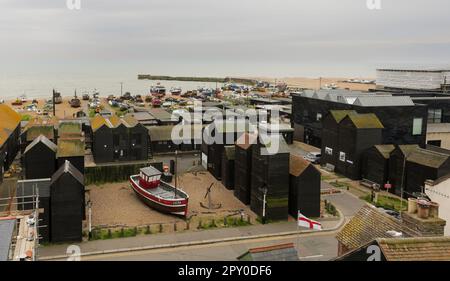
[
  {"x": 341, "y": 185},
  {"x": 387, "y": 202},
  {"x": 25, "y": 117}
]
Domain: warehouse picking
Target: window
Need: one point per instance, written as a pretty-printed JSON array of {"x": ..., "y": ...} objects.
[
  {"x": 319, "y": 116},
  {"x": 434, "y": 115},
  {"x": 328, "y": 151},
  {"x": 437, "y": 143},
  {"x": 342, "y": 156},
  {"x": 417, "y": 126}
]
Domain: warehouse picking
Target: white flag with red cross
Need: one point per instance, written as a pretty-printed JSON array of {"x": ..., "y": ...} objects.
[{"x": 308, "y": 223}]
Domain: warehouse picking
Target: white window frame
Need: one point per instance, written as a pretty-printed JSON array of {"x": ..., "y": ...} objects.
[
  {"x": 416, "y": 127},
  {"x": 342, "y": 156},
  {"x": 328, "y": 151}
]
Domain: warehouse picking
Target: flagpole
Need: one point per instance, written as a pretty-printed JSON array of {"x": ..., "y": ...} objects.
[{"x": 298, "y": 234}]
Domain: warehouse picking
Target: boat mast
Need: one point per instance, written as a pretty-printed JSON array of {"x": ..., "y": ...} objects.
[{"x": 176, "y": 172}]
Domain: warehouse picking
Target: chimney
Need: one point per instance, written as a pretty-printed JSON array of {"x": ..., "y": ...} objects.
[{"x": 423, "y": 217}]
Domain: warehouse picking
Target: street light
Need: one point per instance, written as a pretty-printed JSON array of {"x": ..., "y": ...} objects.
[{"x": 264, "y": 190}]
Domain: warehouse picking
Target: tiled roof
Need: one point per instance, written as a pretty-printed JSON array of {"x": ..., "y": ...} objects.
[
  {"x": 246, "y": 140},
  {"x": 113, "y": 122},
  {"x": 369, "y": 224},
  {"x": 365, "y": 121},
  {"x": 70, "y": 148},
  {"x": 338, "y": 115},
  {"x": 97, "y": 122},
  {"x": 385, "y": 149},
  {"x": 416, "y": 249},
  {"x": 297, "y": 165},
  {"x": 9, "y": 120},
  {"x": 427, "y": 158},
  {"x": 283, "y": 252}
]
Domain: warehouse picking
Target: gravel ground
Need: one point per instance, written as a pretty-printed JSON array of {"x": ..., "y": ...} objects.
[{"x": 117, "y": 204}]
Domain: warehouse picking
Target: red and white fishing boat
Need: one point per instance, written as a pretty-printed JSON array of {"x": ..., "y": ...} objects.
[{"x": 157, "y": 194}]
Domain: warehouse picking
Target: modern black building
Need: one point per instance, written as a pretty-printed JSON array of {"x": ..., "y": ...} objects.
[
  {"x": 330, "y": 135},
  {"x": 304, "y": 188},
  {"x": 228, "y": 158},
  {"x": 375, "y": 166},
  {"x": 119, "y": 139},
  {"x": 66, "y": 204},
  {"x": 243, "y": 167},
  {"x": 270, "y": 179},
  {"x": 404, "y": 121},
  {"x": 40, "y": 158},
  {"x": 357, "y": 133},
  {"x": 9, "y": 137}
]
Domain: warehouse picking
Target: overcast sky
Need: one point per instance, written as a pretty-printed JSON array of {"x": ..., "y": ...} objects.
[{"x": 221, "y": 37}]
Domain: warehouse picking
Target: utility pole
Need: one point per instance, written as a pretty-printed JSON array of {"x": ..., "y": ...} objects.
[
  {"x": 54, "y": 104},
  {"x": 264, "y": 190}
]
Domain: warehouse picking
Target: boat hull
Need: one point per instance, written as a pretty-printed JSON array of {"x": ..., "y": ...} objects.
[{"x": 165, "y": 206}]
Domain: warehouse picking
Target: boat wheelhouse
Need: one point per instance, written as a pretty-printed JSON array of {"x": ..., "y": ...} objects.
[{"x": 158, "y": 194}]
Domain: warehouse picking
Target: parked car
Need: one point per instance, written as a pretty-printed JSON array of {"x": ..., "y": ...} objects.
[{"x": 313, "y": 157}]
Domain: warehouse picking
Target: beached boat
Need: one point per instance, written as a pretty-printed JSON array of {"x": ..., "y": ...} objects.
[
  {"x": 158, "y": 194},
  {"x": 86, "y": 97},
  {"x": 58, "y": 98},
  {"x": 175, "y": 91},
  {"x": 75, "y": 102},
  {"x": 158, "y": 90}
]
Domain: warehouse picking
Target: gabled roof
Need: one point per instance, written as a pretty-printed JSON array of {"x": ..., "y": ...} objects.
[
  {"x": 113, "y": 122},
  {"x": 273, "y": 144},
  {"x": 416, "y": 249},
  {"x": 67, "y": 167},
  {"x": 70, "y": 148},
  {"x": 365, "y": 121},
  {"x": 407, "y": 149},
  {"x": 385, "y": 149},
  {"x": 9, "y": 120},
  {"x": 283, "y": 252},
  {"x": 427, "y": 158},
  {"x": 246, "y": 140},
  {"x": 338, "y": 115},
  {"x": 369, "y": 224},
  {"x": 97, "y": 122},
  {"x": 374, "y": 100},
  {"x": 45, "y": 141},
  {"x": 297, "y": 165}
]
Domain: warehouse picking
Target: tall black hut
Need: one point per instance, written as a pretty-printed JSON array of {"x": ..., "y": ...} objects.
[
  {"x": 228, "y": 158},
  {"x": 40, "y": 158},
  {"x": 376, "y": 163},
  {"x": 67, "y": 204},
  {"x": 397, "y": 166},
  {"x": 270, "y": 178},
  {"x": 304, "y": 188},
  {"x": 243, "y": 167}
]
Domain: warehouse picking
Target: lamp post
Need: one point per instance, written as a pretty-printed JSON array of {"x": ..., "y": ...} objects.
[{"x": 264, "y": 191}]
